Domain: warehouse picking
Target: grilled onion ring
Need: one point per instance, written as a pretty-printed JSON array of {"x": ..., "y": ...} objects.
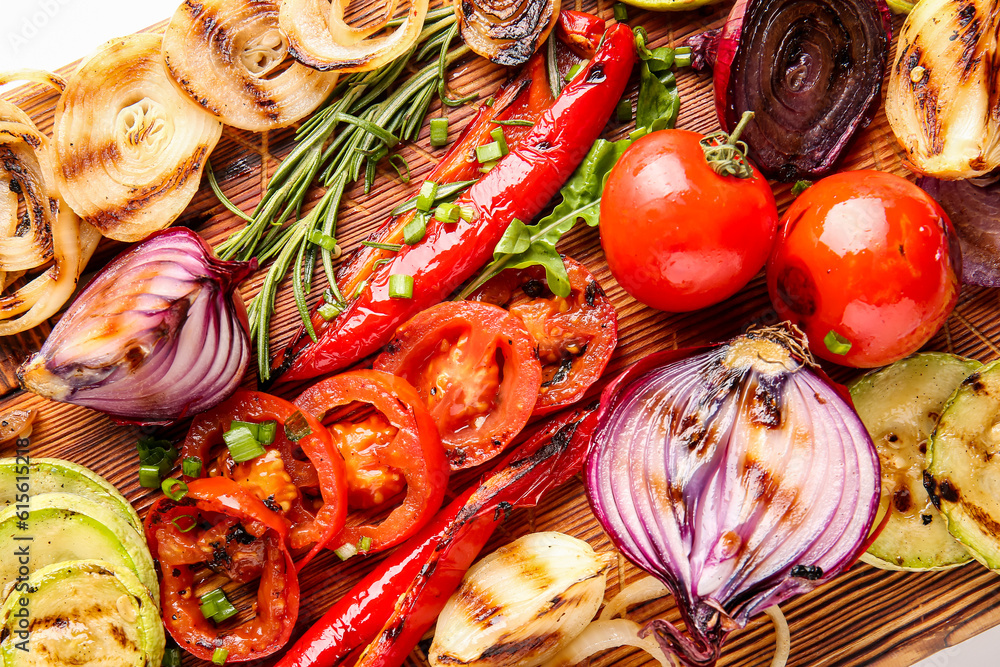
[
  {"x": 507, "y": 32},
  {"x": 319, "y": 37},
  {"x": 229, "y": 56},
  {"x": 130, "y": 146},
  {"x": 49, "y": 231}
]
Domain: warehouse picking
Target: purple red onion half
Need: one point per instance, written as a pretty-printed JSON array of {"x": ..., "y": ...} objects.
[
  {"x": 159, "y": 334},
  {"x": 810, "y": 70},
  {"x": 737, "y": 475}
]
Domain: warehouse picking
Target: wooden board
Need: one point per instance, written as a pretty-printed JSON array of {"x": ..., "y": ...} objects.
[{"x": 864, "y": 617}]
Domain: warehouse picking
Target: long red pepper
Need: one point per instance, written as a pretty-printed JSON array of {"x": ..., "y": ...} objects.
[
  {"x": 389, "y": 610},
  {"x": 518, "y": 187}
]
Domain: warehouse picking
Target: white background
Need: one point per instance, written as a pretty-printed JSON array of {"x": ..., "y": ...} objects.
[{"x": 47, "y": 34}]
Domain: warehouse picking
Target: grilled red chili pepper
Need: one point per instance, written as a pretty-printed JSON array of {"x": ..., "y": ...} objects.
[
  {"x": 390, "y": 609},
  {"x": 518, "y": 187}
]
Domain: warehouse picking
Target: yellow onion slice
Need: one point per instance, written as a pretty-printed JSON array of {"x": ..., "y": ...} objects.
[
  {"x": 130, "y": 146},
  {"x": 230, "y": 57},
  {"x": 37, "y": 230},
  {"x": 318, "y": 35},
  {"x": 507, "y": 32}
]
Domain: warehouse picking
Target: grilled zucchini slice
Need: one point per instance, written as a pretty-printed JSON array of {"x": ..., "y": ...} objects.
[
  {"x": 67, "y": 527},
  {"x": 900, "y": 406},
  {"x": 85, "y": 613},
  {"x": 963, "y": 466},
  {"x": 58, "y": 476}
]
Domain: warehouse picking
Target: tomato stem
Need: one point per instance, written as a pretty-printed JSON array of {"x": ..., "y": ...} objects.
[{"x": 726, "y": 154}]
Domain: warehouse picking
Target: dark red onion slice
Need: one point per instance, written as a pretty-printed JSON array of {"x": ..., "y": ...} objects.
[
  {"x": 736, "y": 475},
  {"x": 974, "y": 211},
  {"x": 810, "y": 70},
  {"x": 159, "y": 334}
]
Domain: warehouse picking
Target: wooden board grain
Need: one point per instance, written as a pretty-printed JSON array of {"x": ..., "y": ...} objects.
[{"x": 864, "y": 617}]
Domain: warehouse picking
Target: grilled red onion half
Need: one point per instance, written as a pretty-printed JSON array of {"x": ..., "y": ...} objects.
[
  {"x": 810, "y": 70},
  {"x": 737, "y": 475},
  {"x": 974, "y": 210},
  {"x": 159, "y": 334}
]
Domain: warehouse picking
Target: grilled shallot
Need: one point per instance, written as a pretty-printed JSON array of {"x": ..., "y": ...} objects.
[
  {"x": 230, "y": 57},
  {"x": 45, "y": 236},
  {"x": 943, "y": 102},
  {"x": 130, "y": 146},
  {"x": 320, "y": 37}
]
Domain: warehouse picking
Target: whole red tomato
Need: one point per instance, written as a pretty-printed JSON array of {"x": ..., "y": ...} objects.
[
  {"x": 677, "y": 235},
  {"x": 867, "y": 264}
]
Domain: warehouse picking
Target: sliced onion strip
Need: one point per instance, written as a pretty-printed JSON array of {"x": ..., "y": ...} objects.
[
  {"x": 319, "y": 36},
  {"x": 782, "y": 636},
  {"x": 130, "y": 146},
  {"x": 606, "y": 634},
  {"x": 230, "y": 57},
  {"x": 644, "y": 590}
]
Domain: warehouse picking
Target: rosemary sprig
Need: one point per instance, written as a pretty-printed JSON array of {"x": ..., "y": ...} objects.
[{"x": 369, "y": 114}]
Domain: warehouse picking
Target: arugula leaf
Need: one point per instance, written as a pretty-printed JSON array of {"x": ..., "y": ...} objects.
[{"x": 580, "y": 198}]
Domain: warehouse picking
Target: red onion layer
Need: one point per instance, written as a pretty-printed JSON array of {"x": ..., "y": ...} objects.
[
  {"x": 810, "y": 70},
  {"x": 974, "y": 210},
  {"x": 736, "y": 475},
  {"x": 159, "y": 334}
]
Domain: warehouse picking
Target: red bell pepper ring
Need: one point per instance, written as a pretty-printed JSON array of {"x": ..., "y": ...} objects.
[
  {"x": 324, "y": 470},
  {"x": 518, "y": 187},
  {"x": 389, "y": 610},
  {"x": 172, "y": 530},
  {"x": 416, "y": 450}
]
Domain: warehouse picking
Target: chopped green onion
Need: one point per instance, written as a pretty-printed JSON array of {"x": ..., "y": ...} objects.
[
  {"x": 242, "y": 443},
  {"x": 621, "y": 12},
  {"x": 267, "y": 430},
  {"x": 171, "y": 657},
  {"x": 836, "y": 343},
  {"x": 328, "y": 311},
  {"x": 465, "y": 213},
  {"x": 624, "y": 110},
  {"x": 296, "y": 426},
  {"x": 501, "y": 139},
  {"x": 219, "y": 657},
  {"x": 573, "y": 71},
  {"x": 324, "y": 241},
  {"x": 446, "y": 213},
  {"x": 400, "y": 286},
  {"x": 226, "y": 611},
  {"x": 428, "y": 193},
  {"x": 439, "y": 131},
  {"x": 638, "y": 133},
  {"x": 415, "y": 229},
  {"x": 191, "y": 467},
  {"x": 253, "y": 427},
  {"x": 516, "y": 122},
  {"x": 391, "y": 247},
  {"x": 149, "y": 476},
  {"x": 191, "y": 526},
  {"x": 346, "y": 551},
  {"x": 364, "y": 544},
  {"x": 491, "y": 152},
  {"x": 487, "y": 167},
  {"x": 682, "y": 56},
  {"x": 174, "y": 488},
  {"x": 211, "y": 602}
]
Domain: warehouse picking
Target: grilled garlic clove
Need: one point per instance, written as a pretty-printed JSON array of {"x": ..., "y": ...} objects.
[
  {"x": 130, "y": 146},
  {"x": 942, "y": 101},
  {"x": 520, "y": 604},
  {"x": 230, "y": 57}
]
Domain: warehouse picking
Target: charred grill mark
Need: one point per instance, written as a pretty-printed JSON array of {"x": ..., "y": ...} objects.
[
  {"x": 477, "y": 605},
  {"x": 981, "y": 517},
  {"x": 930, "y": 485},
  {"x": 118, "y": 634},
  {"x": 80, "y": 162},
  {"x": 527, "y": 646},
  {"x": 901, "y": 500},
  {"x": 975, "y": 383},
  {"x": 761, "y": 485},
  {"x": 948, "y": 491},
  {"x": 591, "y": 292},
  {"x": 765, "y": 406},
  {"x": 926, "y": 519}
]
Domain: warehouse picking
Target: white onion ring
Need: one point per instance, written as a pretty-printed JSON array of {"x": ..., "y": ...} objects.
[
  {"x": 130, "y": 146},
  {"x": 230, "y": 57}
]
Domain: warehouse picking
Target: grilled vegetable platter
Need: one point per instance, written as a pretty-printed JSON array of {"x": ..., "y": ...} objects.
[{"x": 503, "y": 334}]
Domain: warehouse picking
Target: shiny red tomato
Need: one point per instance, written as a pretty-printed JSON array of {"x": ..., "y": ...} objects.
[
  {"x": 475, "y": 367},
  {"x": 677, "y": 235},
  {"x": 867, "y": 264}
]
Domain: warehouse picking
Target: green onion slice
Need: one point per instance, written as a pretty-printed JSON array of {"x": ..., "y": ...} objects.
[
  {"x": 439, "y": 131},
  {"x": 296, "y": 427},
  {"x": 174, "y": 488},
  {"x": 171, "y": 657},
  {"x": 447, "y": 213},
  {"x": 328, "y": 311},
  {"x": 191, "y": 466},
  {"x": 428, "y": 193},
  {"x": 219, "y": 657},
  {"x": 415, "y": 229},
  {"x": 191, "y": 526},
  {"x": 400, "y": 286},
  {"x": 324, "y": 241},
  {"x": 149, "y": 476},
  {"x": 621, "y": 12},
  {"x": 836, "y": 343},
  {"x": 242, "y": 443},
  {"x": 491, "y": 152}
]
